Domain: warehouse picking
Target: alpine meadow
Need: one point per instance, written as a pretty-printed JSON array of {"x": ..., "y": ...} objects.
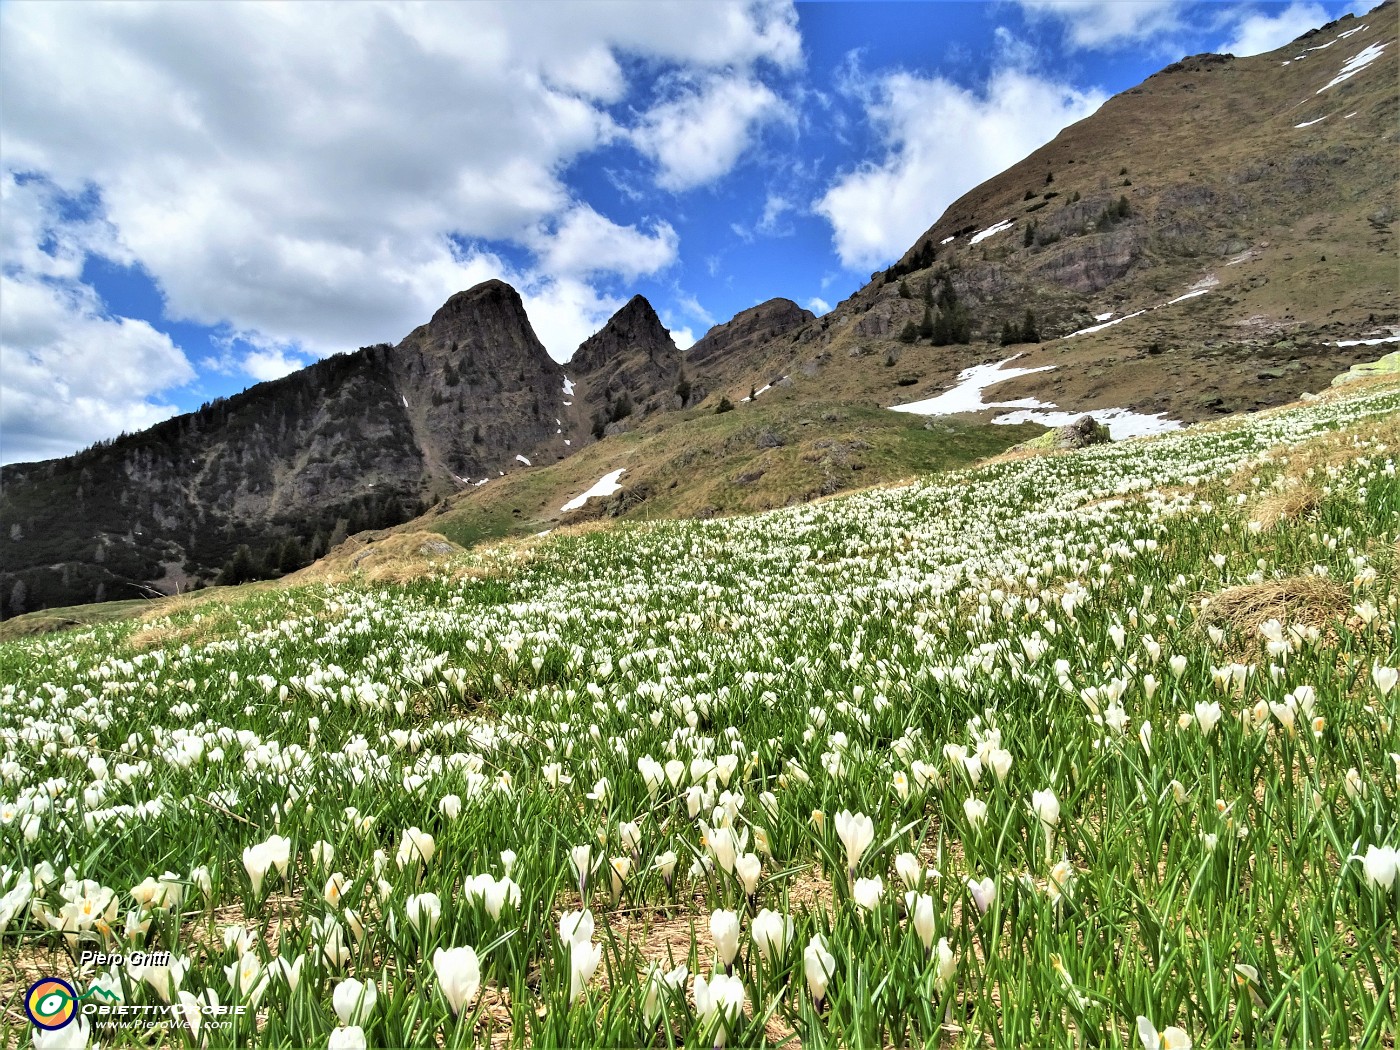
[{"x": 1008, "y": 656}]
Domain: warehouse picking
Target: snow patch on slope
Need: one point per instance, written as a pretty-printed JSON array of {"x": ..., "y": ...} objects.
[
  {"x": 604, "y": 486},
  {"x": 967, "y": 395},
  {"x": 1355, "y": 65},
  {"x": 992, "y": 230}
]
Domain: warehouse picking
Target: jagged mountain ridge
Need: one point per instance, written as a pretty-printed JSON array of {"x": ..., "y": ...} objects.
[{"x": 359, "y": 440}]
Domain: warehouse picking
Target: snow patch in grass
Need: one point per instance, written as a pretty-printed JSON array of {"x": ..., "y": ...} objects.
[
  {"x": 522, "y": 459},
  {"x": 1355, "y": 65},
  {"x": 1005, "y": 224},
  {"x": 1121, "y": 422},
  {"x": 568, "y": 386},
  {"x": 1106, "y": 324},
  {"x": 1188, "y": 295},
  {"x": 1310, "y": 123},
  {"x": 967, "y": 395},
  {"x": 1370, "y": 342},
  {"x": 948, "y": 240},
  {"x": 1103, "y": 316},
  {"x": 605, "y": 486}
]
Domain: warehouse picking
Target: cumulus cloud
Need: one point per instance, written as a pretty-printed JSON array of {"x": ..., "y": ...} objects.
[
  {"x": 1097, "y": 24},
  {"x": 563, "y": 311},
  {"x": 583, "y": 242},
  {"x": 701, "y": 131},
  {"x": 818, "y": 305},
  {"x": 684, "y": 337},
  {"x": 941, "y": 139},
  {"x": 70, "y": 374},
  {"x": 309, "y": 173},
  {"x": 1260, "y": 31}
]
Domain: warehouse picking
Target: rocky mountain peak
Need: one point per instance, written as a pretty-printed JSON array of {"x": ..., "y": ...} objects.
[
  {"x": 747, "y": 329},
  {"x": 490, "y": 316},
  {"x": 634, "y": 330}
]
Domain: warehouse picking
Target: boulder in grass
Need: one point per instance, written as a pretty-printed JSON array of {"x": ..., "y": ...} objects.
[
  {"x": 1389, "y": 365},
  {"x": 1082, "y": 433}
]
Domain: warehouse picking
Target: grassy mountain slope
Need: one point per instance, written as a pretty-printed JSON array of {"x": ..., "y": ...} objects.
[
  {"x": 1292, "y": 230},
  {"x": 778, "y": 451}
]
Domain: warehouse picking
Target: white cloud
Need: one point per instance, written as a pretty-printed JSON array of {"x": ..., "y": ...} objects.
[
  {"x": 699, "y": 133},
  {"x": 1259, "y": 31},
  {"x": 774, "y": 207},
  {"x": 70, "y": 374},
  {"x": 1097, "y": 24},
  {"x": 692, "y": 306},
  {"x": 584, "y": 242},
  {"x": 818, "y": 305},
  {"x": 684, "y": 338},
  {"x": 564, "y": 312},
  {"x": 304, "y": 175},
  {"x": 271, "y": 364},
  {"x": 941, "y": 140}
]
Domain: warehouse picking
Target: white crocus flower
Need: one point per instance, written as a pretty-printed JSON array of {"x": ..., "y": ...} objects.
[
  {"x": 856, "y": 832},
  {"x": 983, "y": 892},
  {"x": 459, "y": 975},
  {"x": 976, "y": 812},
  {"x": 423, "y": 910},
  {"x": 946, "y": 964},
  {"x": 748, "y": 868},
  {"x": 771, "y": 933},
  {"x": 724, "y": 929},
  {"x": 1171, "y": 1038},
  {"x": 580, "y": 858},
  {"x": 867, "y": 892},
  {"x": 1207, "y": 715},
  {"x": 1384, "y": 678},
  {"x": 1000, "y": 761},
  {"x": 909, "y": 870},
  {"x": 354, "y": 1001},
  {"x": 1381, "y": 864},
  {"x": 818, "y": 965},
  {"x": 659, "y": 982},
  {"x": 719, "y": 1002},
  {"x": 73, "y": 1036},
  {"x": 923, "y": 919},
  {"x": 416, "y": 849},
  {"x": 347, "y": 1038},
  {"x": 584, "y": 957}
]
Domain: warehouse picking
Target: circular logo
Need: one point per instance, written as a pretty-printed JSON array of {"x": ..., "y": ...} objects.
[{"x": 51, "y": 1003}]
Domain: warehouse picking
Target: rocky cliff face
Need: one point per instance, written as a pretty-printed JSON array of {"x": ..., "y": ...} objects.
[
  {"x": 630, "y": 367},
  {"x": 747, "y": 330},
  {"x": 359, "y": 440},
  {"x": 479, "y": 387}
]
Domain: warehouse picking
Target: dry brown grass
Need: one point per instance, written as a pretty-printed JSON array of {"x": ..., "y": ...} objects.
[
  {"x": 1291, "y": 504},
  {"x": 1309, "y": 600},
  {"x": 1317, "y": 454},
  {"x": 384, "y": 557}
]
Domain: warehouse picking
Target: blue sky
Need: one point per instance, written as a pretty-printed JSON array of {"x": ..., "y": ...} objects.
[{"x": 197, "y": 197}]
